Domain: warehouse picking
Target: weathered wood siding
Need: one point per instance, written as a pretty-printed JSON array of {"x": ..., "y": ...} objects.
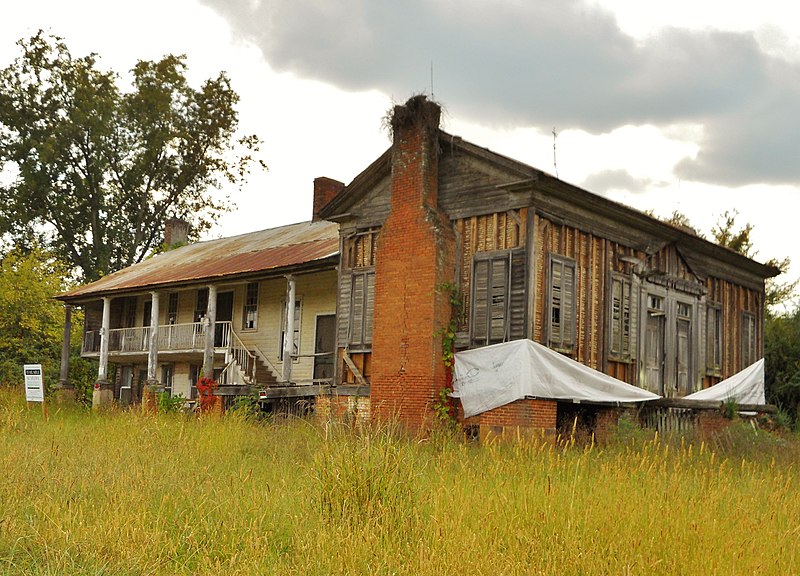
[
  {"x": 595, "y": 260},
  {"x": 485, "y": 233},
  {"x": 734, "y": 300}
]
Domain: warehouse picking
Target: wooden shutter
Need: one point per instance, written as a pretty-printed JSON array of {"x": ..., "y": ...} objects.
[
  {"x": 480, "y": 301},
  {"x": 342, "y": 330},
  {"x": 498, "y": 299},
  {"x": 369, "y": 306},
  {"x": 357, "y": 309},
  {"x": 568, "y": 316},
  {"x": 518, "y": 296}
]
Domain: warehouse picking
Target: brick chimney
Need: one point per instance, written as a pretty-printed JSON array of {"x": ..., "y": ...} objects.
[
  {"x": 415, "y": 255},
  {"x": 325, "y": 190},
  {"x": 176, "y": 233}
]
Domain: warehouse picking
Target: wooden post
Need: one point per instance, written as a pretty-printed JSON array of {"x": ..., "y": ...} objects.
[
  {"x": 102, "y": 371},
  {"x": 63, "y": 377},
  {"x": 288, "y": 341},
  {"x": 152, "y": 350},
  {"x": 211, "y": 324},
  {"x": 103, "y": 394}
]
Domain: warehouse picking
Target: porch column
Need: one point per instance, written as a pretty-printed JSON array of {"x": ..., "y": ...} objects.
[
  {"x": 152, "y": 350},
  {"x": 211, "y": 321},
  {"x": 103, "y": 393},
  {"x": 288, "y": 341},
  {"x": 65, "y": 391}
]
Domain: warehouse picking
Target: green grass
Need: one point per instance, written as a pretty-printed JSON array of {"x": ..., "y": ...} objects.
[{"x": 124, "y": 493}]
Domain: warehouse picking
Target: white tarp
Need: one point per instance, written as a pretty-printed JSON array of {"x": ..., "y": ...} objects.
[
  {"x": 745, "y": 387},
  {"x": 493, "y": 376}
]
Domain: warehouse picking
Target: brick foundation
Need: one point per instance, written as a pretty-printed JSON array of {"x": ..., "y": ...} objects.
[
  {"x": 343, "y": 407},
  {"x": 525, "y": 417}
]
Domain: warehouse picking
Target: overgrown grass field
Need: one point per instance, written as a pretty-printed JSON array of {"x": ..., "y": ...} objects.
[{"x": 125, "y": 493}]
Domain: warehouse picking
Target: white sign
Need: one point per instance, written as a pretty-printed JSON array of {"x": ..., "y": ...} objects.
[{"x": 34, "y": 384}]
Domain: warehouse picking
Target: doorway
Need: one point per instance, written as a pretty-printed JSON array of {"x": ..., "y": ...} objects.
[
  {"x": 324, "y": 347},
  {"x": 654, "y": 345},
  {"x": 224, "y": 314}
]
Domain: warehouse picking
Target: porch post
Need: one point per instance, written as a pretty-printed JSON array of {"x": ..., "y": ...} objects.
[
  {"x": 211, "y": 325},
  {"x": 65, "y": 390},
  {"x": 152, "y": 350},
  {"x": 103, "y": 393},
  {"x": 288, "y": 341}
]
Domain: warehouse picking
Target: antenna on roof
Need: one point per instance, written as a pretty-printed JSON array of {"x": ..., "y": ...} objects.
[
  {"x": 555, "y": 165},
  {"x": 432, "y": 98}
]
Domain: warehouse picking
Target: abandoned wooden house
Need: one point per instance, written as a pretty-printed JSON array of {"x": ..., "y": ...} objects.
[
  {"x": 434, "y": 221},
  {"x": 527, "y": 256}
]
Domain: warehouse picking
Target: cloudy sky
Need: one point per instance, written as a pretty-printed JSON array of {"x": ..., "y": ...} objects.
[{"x": 686, "y": 105}]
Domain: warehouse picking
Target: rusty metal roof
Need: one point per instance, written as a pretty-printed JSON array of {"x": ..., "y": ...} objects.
[{"x": 273, "y": 249}]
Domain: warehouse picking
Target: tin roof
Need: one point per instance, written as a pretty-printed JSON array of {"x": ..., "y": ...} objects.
[{"x": 273, "y": 249}]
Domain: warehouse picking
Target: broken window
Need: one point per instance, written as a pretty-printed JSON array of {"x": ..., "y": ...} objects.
[
  {"x": 620, "y": 318},
  {"x": 201, "y": 305},
  {"x": 561, "y": 312},
  {"x": 250, "y": 310},
  {"x": 499, "y": 297},
  {"x": 172, "y": 308},
  {"x": 713, "y": 338},
  {"x": 748, "y": 339}
]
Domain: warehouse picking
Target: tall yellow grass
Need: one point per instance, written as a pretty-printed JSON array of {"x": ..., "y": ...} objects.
[{"x": 123, "y": 493}]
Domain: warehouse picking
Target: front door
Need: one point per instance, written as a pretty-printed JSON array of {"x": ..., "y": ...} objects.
[
  {"x": 224, "y": 314},
  {"x": 654, "y": 346},
  {"x": 324, "y": 347},
  {"x": 682, "y": 358}
]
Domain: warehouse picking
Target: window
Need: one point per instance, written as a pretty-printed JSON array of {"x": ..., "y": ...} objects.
[
  {"x": 499, "y": 297},
  {"x": 250, "y": 312},
  {"x": 172, "y": 309},
  {"x": 562, "y": 304},
  {"x": 620, "y": 318},
  {"x": 297, "y": 317},
  {"x": 748, "y": 339},
  {"x": 194, "y": 376},
  {"x": 201, "y": 305},
  {"x": 130, "y": 312},
  {"x": 167, "y": 373},
  {"x": 362, "y": 303},
  {"x": 713, "y": 337}
]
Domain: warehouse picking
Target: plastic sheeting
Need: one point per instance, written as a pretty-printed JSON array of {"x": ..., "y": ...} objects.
[
  {"x": 493, "y": 376},
  {"x": 745, "y": 387}
]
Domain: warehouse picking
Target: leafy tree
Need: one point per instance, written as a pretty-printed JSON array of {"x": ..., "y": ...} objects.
[
  {"x": 93, "y": 171},
  {"x": 782, "y": 356},
  {"x": 726, "y": 233},
  {"x": 32, "y": 322}
]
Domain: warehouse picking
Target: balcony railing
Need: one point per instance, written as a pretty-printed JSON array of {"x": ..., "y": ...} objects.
[{"x": 171, "y": 337}]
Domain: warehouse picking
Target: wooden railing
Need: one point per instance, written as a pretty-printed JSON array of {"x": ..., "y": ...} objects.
[
  {"x": 171, "y": 337},
  {"x": 245, "y": 360}
]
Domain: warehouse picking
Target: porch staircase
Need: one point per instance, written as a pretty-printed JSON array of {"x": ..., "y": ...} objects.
[{"x": 255, "y": 370}]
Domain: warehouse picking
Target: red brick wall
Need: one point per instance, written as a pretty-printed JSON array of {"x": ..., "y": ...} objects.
[
  {"x": 325, "y": 190},
  {"x": 521, "y": 415},
  {"x": 415, "y": 255}
]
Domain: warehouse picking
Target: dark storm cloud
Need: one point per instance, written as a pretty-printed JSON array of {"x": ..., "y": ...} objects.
[{"x": 552, "y": 63}]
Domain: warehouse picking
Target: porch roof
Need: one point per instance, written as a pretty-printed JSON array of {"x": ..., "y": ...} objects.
[{"x": 275, "y": 249}]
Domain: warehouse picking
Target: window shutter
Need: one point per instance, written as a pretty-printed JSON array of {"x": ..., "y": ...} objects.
[
  {"x": 357, "y": 310},
  {"x": 568, "y": 290},
  {"x": 369, "y": 305},
  {"x": 480, "y": 299},
  {"x": 345, "y": 291},
  {"x": 518, "y": 296},
  {"x": 634, "y": 328},
  {"x": 499, "y": 297}
]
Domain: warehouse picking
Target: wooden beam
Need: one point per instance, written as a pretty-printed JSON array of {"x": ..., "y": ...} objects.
[{"x": 356, "y": 372}]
